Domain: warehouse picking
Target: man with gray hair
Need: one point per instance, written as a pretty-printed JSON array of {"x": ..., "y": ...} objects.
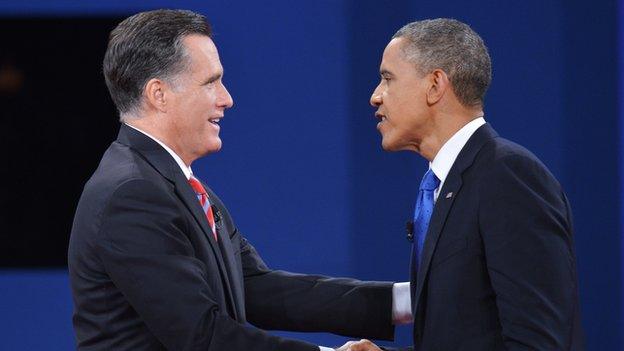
[
  {"x": 493, "y": 264},
  {"x": 155, "y": 259}
]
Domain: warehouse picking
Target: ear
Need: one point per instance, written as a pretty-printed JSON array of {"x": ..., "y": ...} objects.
[
  {"x": 439, "y": 84},
  {"x": 155, "y": 93}
]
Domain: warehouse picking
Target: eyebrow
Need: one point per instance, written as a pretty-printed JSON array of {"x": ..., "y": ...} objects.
[
  {"x": 385, "y": 72},
  {"x": 213, "y": 78}
]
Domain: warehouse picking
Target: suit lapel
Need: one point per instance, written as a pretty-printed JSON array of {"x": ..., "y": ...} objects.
[
  {"x": 452, "y": 184},
  {"x": 184, "y": 191},
  {"x": 237, "y": 299},
  {"x": 162, "y": 161},
  {"x": 438, "y": 218},
  {"x": 225, "y": 243}
]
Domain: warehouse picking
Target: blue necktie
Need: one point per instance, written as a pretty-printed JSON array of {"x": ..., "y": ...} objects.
[{"x": 422, "y": 215}]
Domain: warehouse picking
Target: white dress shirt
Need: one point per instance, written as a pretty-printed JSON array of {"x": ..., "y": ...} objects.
[{"x": 444, "y": 160}]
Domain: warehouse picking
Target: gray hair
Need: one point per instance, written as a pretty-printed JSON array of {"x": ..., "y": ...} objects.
[
  {"x": 145, "y": 46},
  {"x": 453, "y": 47}
]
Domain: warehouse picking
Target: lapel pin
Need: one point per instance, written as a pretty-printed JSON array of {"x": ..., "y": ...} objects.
[{"x": 449, "y": 195}]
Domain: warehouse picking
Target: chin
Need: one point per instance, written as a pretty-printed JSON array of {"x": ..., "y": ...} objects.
[
  {"x": 213, "y": 147},
  {"x": 388, "y": 146}
]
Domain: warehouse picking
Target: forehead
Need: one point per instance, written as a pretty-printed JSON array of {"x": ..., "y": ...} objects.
[
  {"x": 393, "y": 54},
  {"x": 394, "y": 60},
  {"x": 202, "y": 52}
]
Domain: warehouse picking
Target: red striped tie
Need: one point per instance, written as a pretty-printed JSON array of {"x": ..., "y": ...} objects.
[{"x": 202, "y": 196}]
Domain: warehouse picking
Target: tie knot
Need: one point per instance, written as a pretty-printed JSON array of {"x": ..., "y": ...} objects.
[
  {"x": 197, "y": 186},
  {"x": 429, "y": 181}
]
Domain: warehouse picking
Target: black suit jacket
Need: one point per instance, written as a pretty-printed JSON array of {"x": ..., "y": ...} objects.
[
  {"x": 147, "y": 274},
  {"x": 498, "y": 267}
]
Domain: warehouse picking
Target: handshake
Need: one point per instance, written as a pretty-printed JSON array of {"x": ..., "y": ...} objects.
[{"x": 362, "y": 345}]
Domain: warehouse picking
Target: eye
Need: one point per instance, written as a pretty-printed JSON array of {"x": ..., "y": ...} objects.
[{"x": 212, "y": 81}]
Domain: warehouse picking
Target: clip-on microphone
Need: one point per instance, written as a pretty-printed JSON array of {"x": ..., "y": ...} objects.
[{"x": 409, "y": 228}]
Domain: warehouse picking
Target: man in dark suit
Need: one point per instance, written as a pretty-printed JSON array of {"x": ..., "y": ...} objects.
[
  {"x": 493, "y": 265},
  {"x": 155, "y": 260}
]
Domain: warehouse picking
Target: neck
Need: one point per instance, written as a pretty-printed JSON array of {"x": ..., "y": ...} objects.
[
  {"x": 147, "y": 125},
  {"x": 444, "y": 126}
]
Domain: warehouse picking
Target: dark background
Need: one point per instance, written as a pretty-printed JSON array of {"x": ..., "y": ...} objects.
[
  {"x": 56, "y": 118},
  {"x": 301, "y": 169}
]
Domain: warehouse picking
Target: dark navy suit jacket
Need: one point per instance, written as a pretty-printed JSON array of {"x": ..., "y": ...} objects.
[
  {"x": 147, "y": 274},
  {"x": 498, "y": 268}
]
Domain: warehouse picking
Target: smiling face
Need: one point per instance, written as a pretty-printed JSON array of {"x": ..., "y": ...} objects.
[
  {"x": 197, "y": 101},
  {"x": 401, "y": 101}
]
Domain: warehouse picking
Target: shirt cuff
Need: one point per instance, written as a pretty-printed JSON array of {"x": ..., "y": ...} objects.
[
  {"x": 401, "y": 304},
  {"x": 323, "y": 348}
]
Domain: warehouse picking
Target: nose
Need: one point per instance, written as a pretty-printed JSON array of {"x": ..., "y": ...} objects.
[
  {"x": 225, "y": 100},
  {"x": 375, "y": 99}
]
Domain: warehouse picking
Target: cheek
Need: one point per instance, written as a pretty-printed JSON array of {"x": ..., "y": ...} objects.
[
  {"x": 197, "y": 101},
  {"x": 396, "y": 99}
]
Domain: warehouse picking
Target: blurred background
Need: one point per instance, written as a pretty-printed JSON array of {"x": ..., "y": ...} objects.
[{"x": 302, "y": 170}]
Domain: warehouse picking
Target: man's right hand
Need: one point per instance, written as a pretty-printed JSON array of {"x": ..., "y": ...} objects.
[{"x": 362, "y": 345}]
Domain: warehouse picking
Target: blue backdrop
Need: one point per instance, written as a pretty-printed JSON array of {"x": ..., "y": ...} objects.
[{"x": 302, "y": 170}]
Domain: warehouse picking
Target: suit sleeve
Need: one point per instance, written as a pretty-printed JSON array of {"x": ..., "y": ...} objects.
[
  {"x": 527, "y": 237},
  {"x": 312, "y": 303},
  {"x": 147, "y": 255}
]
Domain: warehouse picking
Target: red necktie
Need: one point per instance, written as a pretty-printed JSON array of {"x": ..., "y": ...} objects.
[{"x": 202, "y": 196}]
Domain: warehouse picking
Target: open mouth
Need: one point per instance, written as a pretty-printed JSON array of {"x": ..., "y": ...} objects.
[{"x": 215, "y": 121}]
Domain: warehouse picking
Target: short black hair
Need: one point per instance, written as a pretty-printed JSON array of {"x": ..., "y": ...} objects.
[{"x": 145, "y": 46}]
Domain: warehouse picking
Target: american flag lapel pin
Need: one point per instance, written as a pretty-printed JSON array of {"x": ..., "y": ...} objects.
[{"x": 449, "y": 195}]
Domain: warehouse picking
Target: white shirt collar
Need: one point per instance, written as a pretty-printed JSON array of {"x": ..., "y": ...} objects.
[
  {"x": 443, "y": 161},
  {"x": 188, "y": 172}
]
